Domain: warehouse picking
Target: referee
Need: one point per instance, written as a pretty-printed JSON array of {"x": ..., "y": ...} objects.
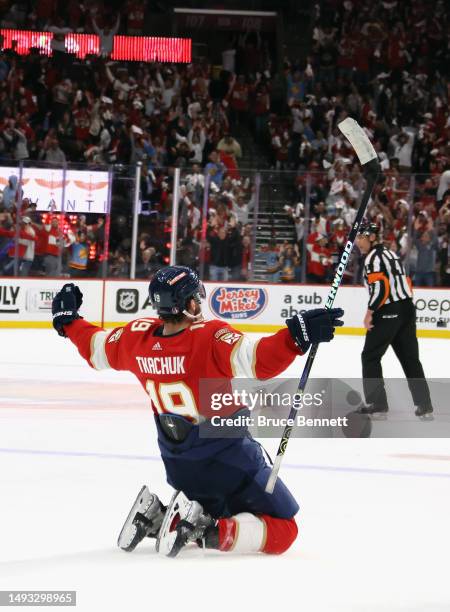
[{"x": 390, "y": 321}]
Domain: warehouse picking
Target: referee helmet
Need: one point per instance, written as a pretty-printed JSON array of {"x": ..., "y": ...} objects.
[{"x": 367, "y": 228}]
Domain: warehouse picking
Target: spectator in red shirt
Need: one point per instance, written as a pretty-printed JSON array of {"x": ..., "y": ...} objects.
[
  {"x": 52, "y": 247},
  {"x": 319, "y": 264},
  {"x": 26, "y": 244},
  {"x": 136, "y": 15},
  {"x": 239, "y": 101}
]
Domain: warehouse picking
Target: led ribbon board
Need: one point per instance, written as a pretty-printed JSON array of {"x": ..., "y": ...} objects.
[{"x": 125, "y": 48}]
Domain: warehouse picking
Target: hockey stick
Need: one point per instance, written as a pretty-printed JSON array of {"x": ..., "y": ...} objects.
[{"x": 369, "y": 161}]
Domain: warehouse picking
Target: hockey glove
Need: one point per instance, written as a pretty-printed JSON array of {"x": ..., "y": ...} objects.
[
  {"x": 313, "y": 326},
  {"x": 65, "y": 307}
]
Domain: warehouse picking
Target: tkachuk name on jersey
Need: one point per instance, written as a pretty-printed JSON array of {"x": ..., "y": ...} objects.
[{"x": 162, "y": 365}]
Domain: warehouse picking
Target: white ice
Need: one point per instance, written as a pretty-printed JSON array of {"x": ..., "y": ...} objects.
[{"x": 76, "y": 445}]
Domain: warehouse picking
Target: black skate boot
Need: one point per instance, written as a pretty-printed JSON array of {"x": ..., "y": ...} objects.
[
  {"x": 424, "y": 412},
  {"x": 144, "y": 520},
  {"x": 377, "y": 413},
  {"x": 185, "y": 521}
]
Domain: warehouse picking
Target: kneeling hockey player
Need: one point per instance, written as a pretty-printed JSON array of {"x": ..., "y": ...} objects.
[{"x": 220, "y": 501}]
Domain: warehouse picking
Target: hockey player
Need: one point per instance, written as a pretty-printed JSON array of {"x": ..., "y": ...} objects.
[
  {"x": 220, "y": 499},
  {"x": 390, "y": 321}
]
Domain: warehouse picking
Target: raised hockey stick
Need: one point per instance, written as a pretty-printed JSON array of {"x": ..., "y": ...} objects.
[{"x": 371, "y": 166}]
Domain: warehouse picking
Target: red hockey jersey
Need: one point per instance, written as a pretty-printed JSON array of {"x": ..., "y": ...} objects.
[{"x": 172, "y": 368}]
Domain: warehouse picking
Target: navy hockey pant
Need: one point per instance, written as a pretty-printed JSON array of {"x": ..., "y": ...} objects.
[{"x": 227, "y": 476}]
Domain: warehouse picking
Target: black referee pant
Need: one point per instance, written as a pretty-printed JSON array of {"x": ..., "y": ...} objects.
[{"x": 393, "y": 325}]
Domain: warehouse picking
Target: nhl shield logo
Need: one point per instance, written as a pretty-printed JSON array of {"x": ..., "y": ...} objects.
[{"x": 127, "y": 301}]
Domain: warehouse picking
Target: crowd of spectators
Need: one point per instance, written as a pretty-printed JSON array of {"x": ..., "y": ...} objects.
[
  {"x": 384, "y": 62},
  {"x": 161, "y": 115},
  {"x": 218, "y": 244},
  {"x": 90, "y": 16},
  {"x": 49, "y": 244}
]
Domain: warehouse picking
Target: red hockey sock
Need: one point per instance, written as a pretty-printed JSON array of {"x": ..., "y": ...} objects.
[
  {"x": 281, "y": 534},
  {"x": 227, "y": 533},
  {"x": 247, "y": 532}
]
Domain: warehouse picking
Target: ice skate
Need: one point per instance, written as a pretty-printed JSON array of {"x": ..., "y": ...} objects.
[
  {"x": 144, "y": 520},
  {"x": 185, "y": 521},
  {"x": 376, "y": 413},
  {"x": 424, "y": 412}
]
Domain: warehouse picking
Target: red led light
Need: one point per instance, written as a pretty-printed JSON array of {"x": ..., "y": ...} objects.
[
  {"x": 151, "y": 49},
  {"x": 82, "y": 44},
  {"x": 126, "y": 48}
]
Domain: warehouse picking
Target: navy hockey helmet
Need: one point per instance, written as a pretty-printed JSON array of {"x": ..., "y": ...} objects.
[{"x": 172, "y": 287}]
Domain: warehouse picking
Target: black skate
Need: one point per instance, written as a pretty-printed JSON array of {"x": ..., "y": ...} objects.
[
  {"x": 376, "y": 413},
  {"x": 144, "y": 520},
  {"x": 424, "y": 412},
  {"x": 185, "y": 521}
]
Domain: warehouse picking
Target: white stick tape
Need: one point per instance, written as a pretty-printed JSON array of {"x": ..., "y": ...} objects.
[{"x": 358, "y": 139}]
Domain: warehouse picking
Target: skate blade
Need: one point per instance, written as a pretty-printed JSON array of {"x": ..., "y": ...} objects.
[
  {"x": 426, "y": 417},
  {"x": 169, "y": 542},
  {"x": 124, "y": 539},
  {"x": 180, "y": 542},
  {"x": 378, "y": 416}
]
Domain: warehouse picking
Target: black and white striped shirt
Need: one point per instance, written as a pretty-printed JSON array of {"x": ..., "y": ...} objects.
[{"x": 385, "y": 277}]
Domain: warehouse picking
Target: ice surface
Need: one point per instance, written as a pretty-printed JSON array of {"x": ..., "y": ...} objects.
[{"x": 76, "y": 445}]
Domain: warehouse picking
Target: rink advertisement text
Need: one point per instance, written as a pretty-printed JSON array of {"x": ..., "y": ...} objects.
[
  {"x": 248, "y": 307},
  {"x": 264, "y": 307},
  {"x": 8, "y": 299}
]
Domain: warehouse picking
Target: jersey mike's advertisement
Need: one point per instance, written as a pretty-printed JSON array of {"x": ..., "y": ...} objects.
[
  {"x": 248, "y": 307},
  {"x": 237, "y": 303}
]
